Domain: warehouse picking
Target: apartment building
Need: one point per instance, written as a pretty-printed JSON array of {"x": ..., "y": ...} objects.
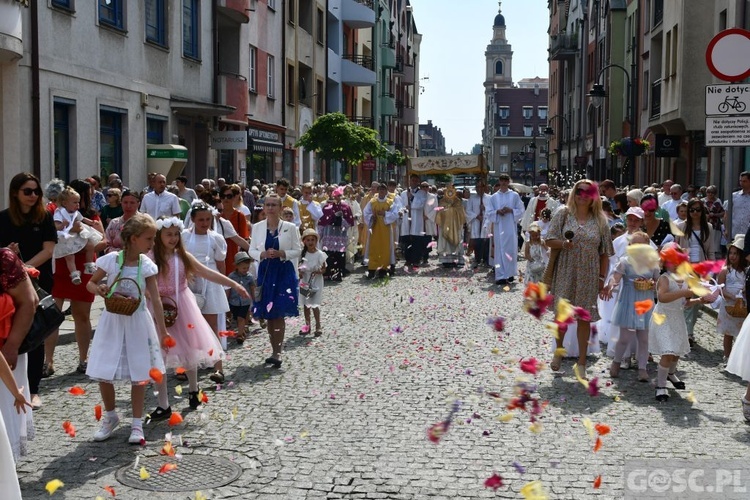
[{"x": 431, "y": 140}]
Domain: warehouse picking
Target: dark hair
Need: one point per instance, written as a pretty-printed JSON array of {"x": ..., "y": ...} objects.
[
  {"x": 621, "y": 200},
  {"x": 607, "y": 184},
  {"x": 282, "y": 182},
  {"x": 703, "y": 221},
  {"x": 199, "y": 207},
  {"x": 503, "y": 177},
  {"x": 134, "y": 194},
  {"x": 745, "y": 174},
  {"x": 83, "y": 188},
  {"x": 38, "y": 212},
  {"x": 181, "y": 178}
]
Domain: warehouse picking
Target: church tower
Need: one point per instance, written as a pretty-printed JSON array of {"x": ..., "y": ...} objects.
[{"x": 499, "y": 56}]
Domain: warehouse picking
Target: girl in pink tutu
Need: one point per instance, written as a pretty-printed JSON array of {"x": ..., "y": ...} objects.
[{"x": 196, "y": 345}]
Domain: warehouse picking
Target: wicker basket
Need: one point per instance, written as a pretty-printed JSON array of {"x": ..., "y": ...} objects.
[
  {"x": 118, "y": 304},
  {"x": 170, "y": 311},
  {"x": 643, "y": 285},
  {"x": 738, "y": 310}
]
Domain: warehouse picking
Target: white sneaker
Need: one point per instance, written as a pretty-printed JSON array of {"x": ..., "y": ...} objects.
[
  {"x": 89, "y": 268},
  {"x": 75, "y": 277},
  {"x": 625, "y": 364},
  {"x": 108, "y": 427},
  {"x": 136, "y": 436}
]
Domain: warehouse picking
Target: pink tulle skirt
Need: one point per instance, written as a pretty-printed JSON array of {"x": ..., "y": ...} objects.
[{"x": 196, "y": 343}]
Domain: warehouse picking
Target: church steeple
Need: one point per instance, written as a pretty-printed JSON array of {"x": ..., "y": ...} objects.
[{"x": 499, "y": 56}]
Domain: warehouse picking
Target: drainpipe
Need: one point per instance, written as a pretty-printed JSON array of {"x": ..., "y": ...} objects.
[
  {"x": 215, "y": 54},
  {"x": 36, "y": 119}
]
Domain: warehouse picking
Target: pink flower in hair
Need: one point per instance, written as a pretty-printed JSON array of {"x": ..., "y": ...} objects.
[
  {"x": 649, "y": 205},
  {"x": 591, "y": 192},
  {"x": 339, "y": 191}
]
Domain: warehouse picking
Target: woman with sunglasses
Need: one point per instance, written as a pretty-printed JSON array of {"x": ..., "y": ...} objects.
[
  {"x": 26, "y": 228},
  {"x": 656, "y": 228},
  {"x": 113, "y": 208},
  {"x": 698, "y": 240},
  {"x": 581, "y": 232},
  {"x": 129, "y": 204}
]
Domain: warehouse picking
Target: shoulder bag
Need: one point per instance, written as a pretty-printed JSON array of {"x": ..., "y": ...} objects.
[{"x": 549, "y": 271}]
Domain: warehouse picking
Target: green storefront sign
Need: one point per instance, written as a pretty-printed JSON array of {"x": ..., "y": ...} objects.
[{"x": 174, "y": 154}]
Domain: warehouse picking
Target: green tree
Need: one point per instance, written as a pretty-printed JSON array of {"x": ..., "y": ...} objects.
[
  {"x": 394, "y": 157},
  {"x": 334, "y": 137}
]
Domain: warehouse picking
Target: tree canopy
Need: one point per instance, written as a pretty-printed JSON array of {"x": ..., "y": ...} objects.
[{"x": 334, "y": 137}]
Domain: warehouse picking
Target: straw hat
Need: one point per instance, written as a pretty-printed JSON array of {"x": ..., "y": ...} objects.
[
  {"x": 310, "y": 232},
  {"x": 241, "y": 257}
]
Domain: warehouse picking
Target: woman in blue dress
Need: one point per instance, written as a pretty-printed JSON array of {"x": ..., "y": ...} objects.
[{"x": 276, "y": 245}]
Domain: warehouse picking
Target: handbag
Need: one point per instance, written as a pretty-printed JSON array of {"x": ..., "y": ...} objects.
[
  {"x": 549, "y": 271},
  {"x": 47, "y": 319}
]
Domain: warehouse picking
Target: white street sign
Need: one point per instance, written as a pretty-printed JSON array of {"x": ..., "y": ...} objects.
[
  {"x": 728, "y": 131},
  {"x": 728, "y": 99}
]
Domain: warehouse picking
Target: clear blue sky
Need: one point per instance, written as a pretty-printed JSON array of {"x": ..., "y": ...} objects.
[{"x": 455, "y": 35}]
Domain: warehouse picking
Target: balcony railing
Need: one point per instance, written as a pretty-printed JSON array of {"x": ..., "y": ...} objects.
[
  {"x": 563, "y": 46},
  {"x": 366, "y": 3},
  {"x": 364, "y": 61},
  {"x": 388, "y": 94},
  {"x": 399, "y": 65},
  {"x": 364, "y": 121},
  {"x": 658, "y": 12},
  {"x": 656, "y": 99}
]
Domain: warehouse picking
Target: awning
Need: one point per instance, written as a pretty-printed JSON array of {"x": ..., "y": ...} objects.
[
  {"x": 191, "y": 107},
  {"x": 262, "y": 146}
]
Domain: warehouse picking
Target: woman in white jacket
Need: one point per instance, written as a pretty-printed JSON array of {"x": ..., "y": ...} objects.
[{"x": 276, "y": 245}]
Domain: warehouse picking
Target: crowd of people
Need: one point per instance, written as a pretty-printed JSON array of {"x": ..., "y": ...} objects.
[{"x": 192, "y": 262}]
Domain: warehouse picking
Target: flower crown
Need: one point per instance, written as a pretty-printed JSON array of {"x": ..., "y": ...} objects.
[{"x": 169, "y": 222}]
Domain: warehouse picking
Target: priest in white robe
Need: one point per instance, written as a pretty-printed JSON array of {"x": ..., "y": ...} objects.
[{"x": 505, "y": 212}]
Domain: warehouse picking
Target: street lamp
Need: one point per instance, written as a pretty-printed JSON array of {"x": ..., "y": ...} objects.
[{"x": 598, "y": 95}]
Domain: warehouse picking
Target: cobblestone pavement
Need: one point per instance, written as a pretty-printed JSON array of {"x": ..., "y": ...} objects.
[{"x": 347, "y": 415}]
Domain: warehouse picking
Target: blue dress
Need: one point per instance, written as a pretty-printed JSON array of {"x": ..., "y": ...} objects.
[
  {"x": 280, "y": 285},
  {"x": 624, "y": 314}
]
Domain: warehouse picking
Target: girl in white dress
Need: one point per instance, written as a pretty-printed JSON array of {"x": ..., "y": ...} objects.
[
  {"x": 72, "y": 239},
  {"x": 311, "y": 269},
  {"x": 667, "y": 332},
  {"x": 536, "y": 254},
  {"x": 210, "y": 249},
  {"x": 733, "y": 279},
  {"x": 128, "y": 347}
]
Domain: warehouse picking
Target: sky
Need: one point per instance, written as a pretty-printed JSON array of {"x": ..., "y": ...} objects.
[{"x": 455, "y": 35}]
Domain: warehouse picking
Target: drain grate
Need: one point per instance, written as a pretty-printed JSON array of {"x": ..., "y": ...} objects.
[{"x": 193, "y": 472}]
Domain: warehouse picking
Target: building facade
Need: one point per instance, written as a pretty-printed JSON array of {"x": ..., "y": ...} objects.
[{"x": 431, "y": 140}]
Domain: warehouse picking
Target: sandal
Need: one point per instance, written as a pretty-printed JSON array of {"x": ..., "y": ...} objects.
[
  {"x": 676, "y": 382},
  {"x": 318, "y": 332},
  {"x": 82, "y": 367},
  {"x": 241, "y": 337},
  {"x": 217, "y": 377},
  {"x": 182, "y": 376},
  {"x": 556, "y": 363},
  {"x": 47, "y": 371}
]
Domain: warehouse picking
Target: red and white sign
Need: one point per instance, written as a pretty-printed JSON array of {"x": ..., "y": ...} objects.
[
  {"x": 368, "y": 164},
  {"x": 728, "y": 55}
]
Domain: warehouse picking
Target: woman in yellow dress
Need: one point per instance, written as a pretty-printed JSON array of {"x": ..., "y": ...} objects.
[
  {"x": 380, "y": 213},
  {"x": 450, "y": 219}
]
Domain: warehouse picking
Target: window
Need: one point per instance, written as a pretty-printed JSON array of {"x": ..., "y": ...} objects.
[
  {"x": 504, "y": 112},
  {"x": 271, "y": 78},
  {"x": 63, "y": 4},
  {"x": 528, "y": 130},
  {"x": 503, "y": 150},
  {"x": 156, "y": 25},
  {"x": 646, "y": 90},
  {"x": 290, "y": 84},
  {"x": 320, "y": 98},
  {"x": 290, "y": 11},
  {"x": 673, "y": 55},
  {"x": 110, "y": 142},
  {"x": 498, "y": 67},
  {"x": 111, "y": 13},
  {"x": 321, "y": 27},
  {"x": 542, "y": 112},
  {"x": 155, "y": 129},
  {"x": 62, "y": 112},
  {"x": 540, "y": 130},
  {"x": 190, "y": 28},
  {"x": 504, "y": 168},
  {"x": 528, "y": 112},
  {"x": 252, "y": 80},
  {"x": 272, "y": 4},
  {"x": 504, "y": 130}
]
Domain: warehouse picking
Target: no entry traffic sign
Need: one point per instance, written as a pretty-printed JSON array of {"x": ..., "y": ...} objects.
[{"x": 728, "y": 55}]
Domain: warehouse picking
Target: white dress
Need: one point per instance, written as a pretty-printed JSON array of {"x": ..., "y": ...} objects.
[
  {"x": 71, "y": 243},
  {"x": 540, "y": 258},
  {"x": 8, "y": 478},
  {"x": 19, "y": 427},
  {"x": 734, "y": 284},
  {"x": 208, "y": 249},
  {"x": 312, "y": 262},
  {"x": 125, "y": 347},
  {"x": 671, "y": 336},
  {"x": 739, "y": 360}
]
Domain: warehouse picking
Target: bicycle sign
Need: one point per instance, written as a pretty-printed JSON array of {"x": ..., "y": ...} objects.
[{"x": 727, "y": 99}]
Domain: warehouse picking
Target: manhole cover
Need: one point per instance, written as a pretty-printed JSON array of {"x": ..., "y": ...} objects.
[{"x": 193, "y": 472}]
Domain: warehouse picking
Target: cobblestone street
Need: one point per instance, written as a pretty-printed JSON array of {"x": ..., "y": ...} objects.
[{"x": 347, "y": 415}]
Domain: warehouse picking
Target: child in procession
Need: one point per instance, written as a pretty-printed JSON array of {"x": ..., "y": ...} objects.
[
  {"x": 732, "y": 276},
  {"x": 239, "y": 305},
  {"x": 311, "y": 269}
]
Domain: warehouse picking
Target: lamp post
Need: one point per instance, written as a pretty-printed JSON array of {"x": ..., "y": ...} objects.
[
  {"x": 598, "y": 94},
  {"x": 549, "y": 132}
]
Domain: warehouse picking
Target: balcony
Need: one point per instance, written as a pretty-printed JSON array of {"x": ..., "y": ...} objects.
[
  {"x": 656, "y": 99},
  {"x": 658, "y": 12},
  {"x": 409, "y": 75},
  {"x": 388, "y": 105},
  {"x": 236, "y": 10},
  {"x": 11, "y": 32},
  {"x": 362, "y": 121},
  {"x": 358, "y": 14},
  {"x": 387, "y": 56},
  {"x": 357, "y": 70},
  {"x": 399, "y": 69},
  {"x": 563, "y": 46},
  {"x": 409, "y": 116},
  {"x": 233, "y": 91}
]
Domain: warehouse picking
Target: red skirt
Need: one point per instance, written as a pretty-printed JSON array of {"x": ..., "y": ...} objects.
[{"x": 63, "y": 288}]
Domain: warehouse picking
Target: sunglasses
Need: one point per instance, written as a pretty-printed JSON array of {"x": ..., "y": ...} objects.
[
  {"x": 111, "y": 196},
  {"x": 227, "y": 196},
  {"x": 30, "y": 191},
  {"x": 581, "y": 192},
  {"x": 695, "y": 210}
]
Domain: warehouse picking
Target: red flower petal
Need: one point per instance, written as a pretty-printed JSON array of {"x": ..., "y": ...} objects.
[
  {"x": 494, "y": 482},
  {"x": 77, "y": 390},
  {"x": 156, "y": 375},
  {"x": 98, "y": 412},
  {"x": 597, "y": 482}
]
